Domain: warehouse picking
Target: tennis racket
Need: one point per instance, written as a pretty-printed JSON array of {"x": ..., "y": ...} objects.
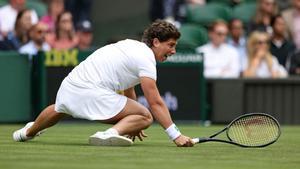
[{"x": 249, "y": 130}]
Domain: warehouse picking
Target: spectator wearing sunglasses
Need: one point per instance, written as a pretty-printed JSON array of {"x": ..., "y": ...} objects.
[
  {"x": 37, "y": 43},
  {"x": 261, "y": 63},
  {"x": 221, "y": 59}
]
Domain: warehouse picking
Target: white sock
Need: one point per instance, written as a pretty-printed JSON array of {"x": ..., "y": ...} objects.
[
  {"x": 112, "y": 131},
  {"x": 23, "y": 135}
]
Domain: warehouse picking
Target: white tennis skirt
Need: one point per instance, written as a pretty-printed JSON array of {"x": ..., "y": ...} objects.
[{"x": 88, "y": 103}]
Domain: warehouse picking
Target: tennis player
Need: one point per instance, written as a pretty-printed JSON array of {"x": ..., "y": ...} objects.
[{"x": 90, "y": 91}]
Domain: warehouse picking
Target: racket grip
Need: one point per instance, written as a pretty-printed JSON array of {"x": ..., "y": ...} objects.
[{"x": 196, "y": 140}]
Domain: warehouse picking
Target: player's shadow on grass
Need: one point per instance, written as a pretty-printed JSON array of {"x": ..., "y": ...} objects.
[
  {"x": 60, "y": 143},
  {"x": 81, "y": 144}
]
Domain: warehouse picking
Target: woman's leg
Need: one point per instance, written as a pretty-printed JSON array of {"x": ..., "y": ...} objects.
[
  {"x": 47, "y": 118},
  {"x": 133, "y": 118}
]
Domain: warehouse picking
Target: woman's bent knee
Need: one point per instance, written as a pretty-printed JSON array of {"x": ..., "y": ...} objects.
[{"x": 147, "y": 118}]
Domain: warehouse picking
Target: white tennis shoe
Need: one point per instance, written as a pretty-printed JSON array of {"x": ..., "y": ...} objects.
[
  {"x": 107, "y": 139},
  {"x": 20, "y": 135}
]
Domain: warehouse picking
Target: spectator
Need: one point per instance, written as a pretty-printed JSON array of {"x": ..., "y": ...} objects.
[
  {"x": 19, "y": 36},
  {"x": 55, "y": 7},
  {"x": 37, "y": 43},
  {"x": 80, "y": 9},
  {"x": 221, "y": 60},
  {"x": 8, "y": 14},
  {"x": 65, "y": 37},
  {"x": 85, "y": 35},
  {"x": 196, "y": 2},
  {"x": 237, "y": 39},
  {"x": 283, "y": 4},
  {"x": 295, "y": 63},
  {"x": 261, "y": 21},
  {"x": 281, "y": 48},
  {"x": 235, "y": 2},
  {"x": 170, "y": 10},
  {"x": 1, "y": 37},
  {"x": 292, "y": 18},
  {"x": 231, "y": 3},
  {"x": 260, "y": 62}
]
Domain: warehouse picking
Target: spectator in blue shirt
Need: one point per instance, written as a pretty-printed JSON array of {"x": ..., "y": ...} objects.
[{"x": 237, "y": 39}]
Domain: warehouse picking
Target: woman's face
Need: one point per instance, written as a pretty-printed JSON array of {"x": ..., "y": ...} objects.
[
  {"x": 261, "y": 43},
  {"x": 65, "y": 22},
  {"x": 56, "y": 7},
  {"x": 25, "y": 20},
  {"x": 267, "y": 6}
]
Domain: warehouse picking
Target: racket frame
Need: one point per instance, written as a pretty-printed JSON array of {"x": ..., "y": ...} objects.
[{"x": 211, "y": 138}]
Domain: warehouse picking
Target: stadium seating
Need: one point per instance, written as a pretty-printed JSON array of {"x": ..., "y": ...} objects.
[
  {"x": 192, "y": 36},
  {"x": 39, "y": 7},
  {"x": 228, "y": 2},
  {"x": 3, "y": 2},
  {"x": 205, "y": 15},
  {"x": 244, "y": 11}
]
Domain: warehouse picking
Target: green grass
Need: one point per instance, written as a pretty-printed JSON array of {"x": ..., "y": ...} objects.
[{"x": 65, "y": 146}]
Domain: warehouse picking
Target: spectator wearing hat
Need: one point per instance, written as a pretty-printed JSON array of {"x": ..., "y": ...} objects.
[{"x": 85, "y": 35}]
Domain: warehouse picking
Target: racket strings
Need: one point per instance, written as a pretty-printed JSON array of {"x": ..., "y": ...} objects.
[{"x": 254, "y": 130}]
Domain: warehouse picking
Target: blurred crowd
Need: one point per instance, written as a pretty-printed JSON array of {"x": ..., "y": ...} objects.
[
  {"x": 268, "y": 46},
  {"x": 65, "y": 25}
]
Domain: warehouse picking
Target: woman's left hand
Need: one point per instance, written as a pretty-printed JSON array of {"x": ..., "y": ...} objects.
[{"x": 141, "y": 135}]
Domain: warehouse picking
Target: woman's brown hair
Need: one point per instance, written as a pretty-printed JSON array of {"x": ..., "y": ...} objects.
[{"x": 161, "y": 30}]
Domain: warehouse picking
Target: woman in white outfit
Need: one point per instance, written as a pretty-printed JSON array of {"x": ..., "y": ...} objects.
[
  {"x": 90, "y": 90},
  {"x": 261, "y": 63}
]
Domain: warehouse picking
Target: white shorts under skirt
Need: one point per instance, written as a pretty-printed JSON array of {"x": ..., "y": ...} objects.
[{"x": 88, "y": 103}]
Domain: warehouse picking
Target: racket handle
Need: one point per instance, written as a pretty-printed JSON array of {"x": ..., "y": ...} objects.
[{"x": 196, "y": 140}]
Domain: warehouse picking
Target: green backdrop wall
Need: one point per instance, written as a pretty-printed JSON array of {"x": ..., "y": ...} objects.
[
  {"x": 119, "y": 19},
  {"x": 15, "y": 87}
]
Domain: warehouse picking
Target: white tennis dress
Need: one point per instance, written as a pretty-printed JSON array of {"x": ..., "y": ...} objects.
[{"x": 89, "y": 91}]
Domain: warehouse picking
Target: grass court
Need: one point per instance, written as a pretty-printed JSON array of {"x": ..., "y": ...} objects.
[{"x": 65, "y": 146}]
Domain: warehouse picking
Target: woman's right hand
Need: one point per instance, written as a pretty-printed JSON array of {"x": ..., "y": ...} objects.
[
  {"x": 260, "y": 54},
  {"x": 184, "y": 141}
]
